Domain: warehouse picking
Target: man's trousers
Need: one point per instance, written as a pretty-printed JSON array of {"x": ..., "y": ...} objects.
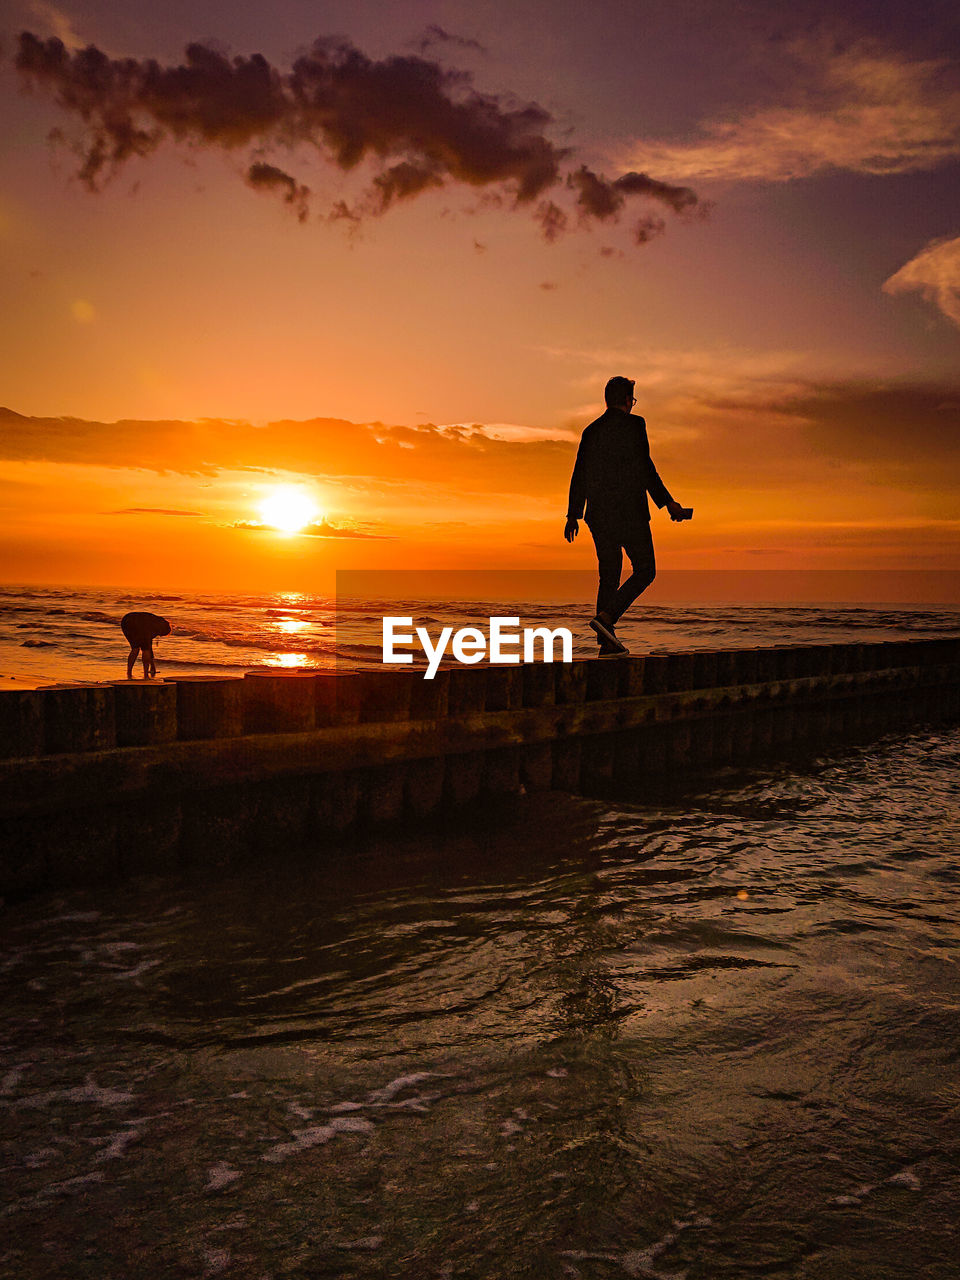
[{"x": 611, "y": 542}]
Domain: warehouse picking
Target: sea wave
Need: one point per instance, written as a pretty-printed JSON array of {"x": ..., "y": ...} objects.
[
  {"x": 187, "y": 664},
  {"x": 79, "y": 630}
]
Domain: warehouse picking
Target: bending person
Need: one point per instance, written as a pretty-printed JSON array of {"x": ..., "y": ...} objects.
[{"x": 141, "y": 629}]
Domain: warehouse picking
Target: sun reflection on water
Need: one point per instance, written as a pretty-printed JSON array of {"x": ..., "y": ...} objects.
[{"x": 287, "y": 660}]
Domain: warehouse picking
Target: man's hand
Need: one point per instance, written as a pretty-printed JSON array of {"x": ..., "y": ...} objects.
[
  {"x": 676, "y": 509},
  {"x": 570, "y": 529}
]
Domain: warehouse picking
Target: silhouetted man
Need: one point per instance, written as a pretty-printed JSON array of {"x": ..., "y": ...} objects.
[
  {"x": 612, "y": 477},
  {"x": 141, "y": 629}
]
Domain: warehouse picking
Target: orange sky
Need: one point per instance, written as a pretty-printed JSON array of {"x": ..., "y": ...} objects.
[{"x": 170, "y": 339}]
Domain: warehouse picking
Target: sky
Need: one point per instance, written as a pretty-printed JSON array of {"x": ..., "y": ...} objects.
[{"x": 371, "y": 264}]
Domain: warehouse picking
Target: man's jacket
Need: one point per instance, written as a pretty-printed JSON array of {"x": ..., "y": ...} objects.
[{"x": 614, "y": 473}]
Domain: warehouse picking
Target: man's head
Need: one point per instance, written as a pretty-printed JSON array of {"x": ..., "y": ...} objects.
[
  {"x": 618, "y": 394},
  {"x": 166, "y": 625}
]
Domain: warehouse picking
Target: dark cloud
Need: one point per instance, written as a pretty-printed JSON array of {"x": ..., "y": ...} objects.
[
  {"x": 595, "y": 196},
  {"x": 417, "y": 124},
  {"x": 404, "y": 180},
  {"x": 435, "y": 35},
  {"x": 604, "y": 198},
  {"x": 552, "y": 219},
  {"x": 858, "y": 420},
  {"x": 267, "y": 177},
  {"x": 354, "y": 108},
  {"x": 815, "y": 437},
  {"x": 679, "y": 199},
  {"x": 647, "y": 228},
  {"x": 340, "y": 211},
  {"x": 902, "y": 423}
]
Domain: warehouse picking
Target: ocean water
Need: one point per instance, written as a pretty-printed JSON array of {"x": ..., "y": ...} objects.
[
  {"x": 49, "y": 634},
  {"x": 710, "y": 1033},
  {"x": 706, "y": 1034}
]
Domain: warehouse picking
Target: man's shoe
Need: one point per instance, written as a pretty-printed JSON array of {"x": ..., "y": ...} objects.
[
  {"x": 608, "y": 650},
  {"x": 607, "y": 636}
]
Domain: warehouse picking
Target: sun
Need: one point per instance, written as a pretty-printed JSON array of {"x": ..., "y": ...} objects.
[{"x": 288, "y": 509}]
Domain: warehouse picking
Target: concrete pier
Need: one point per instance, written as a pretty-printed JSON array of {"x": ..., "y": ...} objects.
[
  {"x": 97, "y": 781},
  {"x": 145, "y": 712}
]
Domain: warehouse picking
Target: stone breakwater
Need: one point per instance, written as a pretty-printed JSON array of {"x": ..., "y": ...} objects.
[{"x": 98, "y": 781}]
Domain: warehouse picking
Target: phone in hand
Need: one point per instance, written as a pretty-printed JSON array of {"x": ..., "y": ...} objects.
[{"x": 686, "y": 513}]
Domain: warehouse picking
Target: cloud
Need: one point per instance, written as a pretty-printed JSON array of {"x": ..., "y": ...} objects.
[
  {"x": 267, "y": 177},
  {"x": 55, "y": 20},
  {"x": 506, "y": 431},
  {"x": 552, "y": 219},
  {"x": 855, "y": 107},
  {"x": 328, "y": 529},
  {"x": 601, "y": 198},
  {"x": 460, "y": 459},
  {"x": 335, "y": 98},
  {"x": 416, "y": 125},
  {"x": 899, "y": 422},
  {"x": 403, "y": 180},
  {"x": 647, "y": 228},
  {"x": 319, "y": 529},
  {"x": 731, "y": 423},
  {"x": 935, "y": 274},
  {"x": 732, "y": 419},
  {"x": 436, "y": 35},
  {"x": 152, "y": 511},
  {"x": 820, "y": 445}
]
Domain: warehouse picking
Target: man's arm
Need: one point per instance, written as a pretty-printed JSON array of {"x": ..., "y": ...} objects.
[
  {"x": 656, "y": 488},
  {"x": 578, "y": 482},
  {"x": 578, "y": 491},
  {"x": 658, "y": 491}
]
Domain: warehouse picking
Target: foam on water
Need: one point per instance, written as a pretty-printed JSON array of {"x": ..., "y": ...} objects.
[
  {"x": 89, "y": 1092},
  {"x": 316, "y": 1135},
  {"x": 117, "y": 1143},
  {"x": 221, "y": 1175}
]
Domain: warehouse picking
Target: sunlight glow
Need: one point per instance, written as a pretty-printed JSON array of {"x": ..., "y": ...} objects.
[{"x": 288, "y": 509}]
